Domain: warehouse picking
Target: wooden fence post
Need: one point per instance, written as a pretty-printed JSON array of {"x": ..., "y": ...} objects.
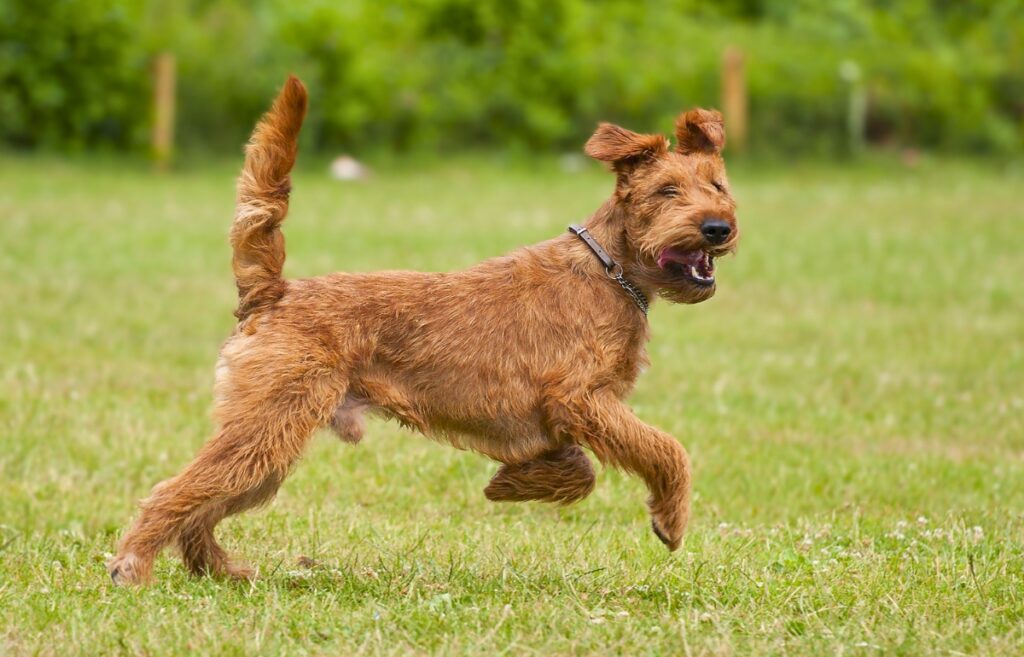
[
  {"x": 856, "y": 106},
  {"x": 734, "y": 98},
  {"x": 163, "y": 109}
]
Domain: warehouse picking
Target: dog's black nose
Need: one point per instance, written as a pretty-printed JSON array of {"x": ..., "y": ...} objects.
[{"x": 715, "y": 231}]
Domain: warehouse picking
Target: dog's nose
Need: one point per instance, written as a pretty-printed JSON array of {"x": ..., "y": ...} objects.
[{"x": 715, "y": 231}]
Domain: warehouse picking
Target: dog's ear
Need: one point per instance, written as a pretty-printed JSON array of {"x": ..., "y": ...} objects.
[
  {"x": 623, "y": 149},
  {"x": 700, "y": 131}
]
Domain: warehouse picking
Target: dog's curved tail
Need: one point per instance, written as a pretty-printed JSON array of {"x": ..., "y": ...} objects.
[{"x": 263, "y": 190}]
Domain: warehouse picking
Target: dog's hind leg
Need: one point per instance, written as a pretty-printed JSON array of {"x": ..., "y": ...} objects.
[
  {"x": 564, "y": 475},
  {"x": 199, "y": 548},
  {"x": 618, "y": 438},
  {"x": 240, "y": 467}
]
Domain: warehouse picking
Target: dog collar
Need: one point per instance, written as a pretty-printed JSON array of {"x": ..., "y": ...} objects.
[{"x": 612, "y": 268}]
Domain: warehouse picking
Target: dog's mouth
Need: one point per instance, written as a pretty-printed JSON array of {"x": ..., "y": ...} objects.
[{"x": 696, "y": 266}]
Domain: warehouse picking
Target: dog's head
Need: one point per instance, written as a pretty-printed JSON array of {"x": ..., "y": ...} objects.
[{"x": 679, "y": 214}]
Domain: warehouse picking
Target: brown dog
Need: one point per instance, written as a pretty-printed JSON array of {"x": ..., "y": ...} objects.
[{"x": 525, "y": 358}]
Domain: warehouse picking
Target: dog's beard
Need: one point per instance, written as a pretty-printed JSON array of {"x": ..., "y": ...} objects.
[
  {"x": 686, "y": 293},
  {"x": 679, "y": 275},
  {"x": 671, "y": 284},
  {"x": 675, "y": 260}
]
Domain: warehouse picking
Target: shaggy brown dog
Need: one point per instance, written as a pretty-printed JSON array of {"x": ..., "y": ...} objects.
[{"x": 524, "y": 358}]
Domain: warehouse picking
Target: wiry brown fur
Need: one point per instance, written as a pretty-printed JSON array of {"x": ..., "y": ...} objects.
[
  {"x": 263, "y": 189},
  {"x": 523, "y": 358}
]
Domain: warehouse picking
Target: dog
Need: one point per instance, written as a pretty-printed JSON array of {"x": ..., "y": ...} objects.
[{"x": 525, "y": 358}]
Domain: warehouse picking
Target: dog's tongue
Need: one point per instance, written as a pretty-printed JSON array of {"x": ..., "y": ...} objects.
[{"x": 672, "y": 254}]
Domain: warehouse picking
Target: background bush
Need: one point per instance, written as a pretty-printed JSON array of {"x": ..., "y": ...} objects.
[
  {"x": 530, "y": 74},
  {"x": 70, "y": 75}
]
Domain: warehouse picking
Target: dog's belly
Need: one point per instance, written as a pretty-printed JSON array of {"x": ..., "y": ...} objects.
[{"x": 508, "y": 439}]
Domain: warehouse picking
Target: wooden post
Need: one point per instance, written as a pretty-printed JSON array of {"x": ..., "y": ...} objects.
[
  {"x": 163, "y": 109},
  {"x": 734, "y": 98},
  {"x": 856, "y": 106}
]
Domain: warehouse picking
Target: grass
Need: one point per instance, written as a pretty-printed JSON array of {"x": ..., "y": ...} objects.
[{"x": 853, "y": 401}]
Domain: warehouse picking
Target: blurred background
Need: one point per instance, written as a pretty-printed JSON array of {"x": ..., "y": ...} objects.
[
  {"x": 852, "y": 398},
  {"x": 796, "y": 77}
]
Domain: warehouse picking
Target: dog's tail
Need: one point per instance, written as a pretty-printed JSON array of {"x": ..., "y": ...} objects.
[{"x": 263, "y": 190}]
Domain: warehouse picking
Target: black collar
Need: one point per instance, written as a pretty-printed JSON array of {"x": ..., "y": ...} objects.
[{"x": 612, "y": 268}]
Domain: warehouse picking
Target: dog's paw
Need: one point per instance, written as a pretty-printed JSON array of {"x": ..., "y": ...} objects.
[
  {"x": 671, "y": 543},
  {"x": 127, "y": 570},
  {"x": 668, "y": 521},
  {"x": 239, "y": 571}
]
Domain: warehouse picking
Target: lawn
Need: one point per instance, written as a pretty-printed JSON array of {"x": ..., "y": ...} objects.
[{"x": 852, "y": 399}]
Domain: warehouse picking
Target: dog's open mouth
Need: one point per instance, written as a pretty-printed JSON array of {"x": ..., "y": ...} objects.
[{"x": 696, "y": 266}]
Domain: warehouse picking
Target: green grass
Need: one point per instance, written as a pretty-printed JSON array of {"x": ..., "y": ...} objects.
[{"x": 853, "y": 402}]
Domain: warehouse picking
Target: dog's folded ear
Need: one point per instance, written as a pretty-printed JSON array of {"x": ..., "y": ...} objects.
[
  {"x": 623, "y": 148},
  {"x": 700, "y": 131}
]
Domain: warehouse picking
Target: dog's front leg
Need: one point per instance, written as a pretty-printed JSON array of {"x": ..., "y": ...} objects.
[
  {"x": 563, "y": 475},
  {"x": 619, "y": 439}
]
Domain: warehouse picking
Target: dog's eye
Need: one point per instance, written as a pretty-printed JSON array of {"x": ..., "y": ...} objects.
[
  {"x": 669, "y": 190},
  {"x": 719, "y": 186}
]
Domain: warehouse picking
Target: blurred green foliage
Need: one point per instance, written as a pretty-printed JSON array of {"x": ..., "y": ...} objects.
[
  {"x": 531, "y": 74},
  {"x": 70, "y": 74}
]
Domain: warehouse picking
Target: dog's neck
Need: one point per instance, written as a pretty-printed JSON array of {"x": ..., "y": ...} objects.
[
  {"x": 608, "y": 227},
  {"x": 605, "y": 235}
]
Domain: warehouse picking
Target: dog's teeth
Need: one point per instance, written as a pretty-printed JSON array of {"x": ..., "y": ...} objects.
[{"x": 693, "y": 271}]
